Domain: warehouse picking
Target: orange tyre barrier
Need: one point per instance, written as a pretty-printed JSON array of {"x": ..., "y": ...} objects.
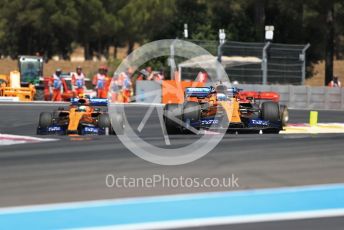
[{"x": 173, "y": 91}]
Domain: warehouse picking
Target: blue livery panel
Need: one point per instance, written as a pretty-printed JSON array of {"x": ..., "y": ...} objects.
[
  {"x": 92, "y": 101},
  {"x": 197, "y": 91}
]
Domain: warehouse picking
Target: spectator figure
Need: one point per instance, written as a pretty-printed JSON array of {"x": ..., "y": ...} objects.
[
  {"x": 126, "y": 87},
  {"x": 107, "y": 81},
  {"x": 160, "y": 76},
  {"x": 149, "y": 70},
  {"x": 100, "y": 82},
  {"x": 115, "y": 87},
  {"x": 335, "y": 82},
  {"x": 202, "y": 76},
  {"x": 121, "y": 86},
  {"x": 156, "y": 76},
  {"x": 143, "y": 75},
  {"x": 56, "y": 84},
  {"x": 130, "y": 72},
  {"x": 150, "y": 73},
  {"x": 78, "y": 80}
]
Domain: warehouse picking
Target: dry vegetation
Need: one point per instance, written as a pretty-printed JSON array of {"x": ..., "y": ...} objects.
[
  {"x": 319, "y": 73},
  {"x": 90, "y": 67}
]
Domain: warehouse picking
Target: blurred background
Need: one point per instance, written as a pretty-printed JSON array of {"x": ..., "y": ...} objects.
[{"x": 75, "y": 32}]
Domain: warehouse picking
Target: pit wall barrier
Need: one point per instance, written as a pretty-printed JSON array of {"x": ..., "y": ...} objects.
[{"x": 297, "y": 97}]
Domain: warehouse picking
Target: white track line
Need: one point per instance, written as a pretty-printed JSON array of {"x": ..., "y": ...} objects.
[
  {"x": 7, "y": 139},
  {"x": 189, "y": 223}
]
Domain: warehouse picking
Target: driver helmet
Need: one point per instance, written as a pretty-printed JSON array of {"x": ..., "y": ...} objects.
[
  {"x": 81, "y": 95},
  {"x": 82, "y": 108}
]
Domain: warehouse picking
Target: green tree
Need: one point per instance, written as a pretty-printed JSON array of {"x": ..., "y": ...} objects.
[
  {"x": 145, "y": 19},
  {"x": 37, "y": 26}
]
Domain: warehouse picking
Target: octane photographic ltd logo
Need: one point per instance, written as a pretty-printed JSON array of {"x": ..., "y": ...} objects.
[{"x": 171, "y": 153}]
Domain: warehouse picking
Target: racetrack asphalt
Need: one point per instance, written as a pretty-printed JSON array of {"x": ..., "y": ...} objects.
[{"x": 75, "y": 168}]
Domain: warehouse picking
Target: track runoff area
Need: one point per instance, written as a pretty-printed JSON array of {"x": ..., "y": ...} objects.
[{"x": 210, "y": 210}]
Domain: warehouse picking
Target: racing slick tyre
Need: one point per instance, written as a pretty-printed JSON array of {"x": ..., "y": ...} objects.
[
  {"x": 270, "y": 112},
  {"x": 105, "y": 122},
  {"x": 191, "y": 113},
  {"x": 45, "y": 120},
  {"x": 173, "y": 111},
  {"x": 39, "y": 95},
  {"x": 284, "y": 114}
]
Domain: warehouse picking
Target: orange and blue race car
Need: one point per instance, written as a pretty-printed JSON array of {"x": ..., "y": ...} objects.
[
  {"x": 221, "y": 107},
  {"x": 83, "y": 117}
]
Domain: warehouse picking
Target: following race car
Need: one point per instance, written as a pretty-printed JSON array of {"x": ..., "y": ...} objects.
[
  {"x": 223, "y": 108},
  {"x": 83, "y": 117}
]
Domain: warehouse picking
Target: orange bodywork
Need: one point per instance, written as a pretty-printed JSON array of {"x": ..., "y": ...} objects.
[
  {"x": 230, "y": 107},
  {"x": 173, "y": 92},
  {"x": 232, "y": 110},
  {"x": 76, "y": 116},
  {"x": 74, "y": 119}
]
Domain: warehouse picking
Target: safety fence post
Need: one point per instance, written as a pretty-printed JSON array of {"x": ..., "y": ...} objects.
[
  {"x": 265, "y": 63},
  {"x": 303, "y": 59}
]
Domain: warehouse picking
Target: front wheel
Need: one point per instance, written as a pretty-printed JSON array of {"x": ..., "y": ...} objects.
[
  {"x": 45, "y": 120},
  {"x": 105, "y": 122}
]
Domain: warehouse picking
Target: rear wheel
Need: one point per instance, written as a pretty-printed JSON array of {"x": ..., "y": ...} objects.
[
  {"x": 105, "y": 122},
  {"x": 191, "y": 113},
  {"x": 173, "y": 113},
  {"x": 45, "y": 120},
  {"x": 284, "y": 114},
  {"x": 270, "y": 112}
]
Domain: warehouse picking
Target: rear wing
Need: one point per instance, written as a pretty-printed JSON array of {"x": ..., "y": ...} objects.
[
  {"x": 92, "y": 101},
  {"x": 270, "y": 96},
  {"x": 197, "y": 91}
]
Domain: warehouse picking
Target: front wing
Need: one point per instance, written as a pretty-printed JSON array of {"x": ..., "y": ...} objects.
[
  {"x": 62, "y": 130},
  {"x": 251, "y": 125}
]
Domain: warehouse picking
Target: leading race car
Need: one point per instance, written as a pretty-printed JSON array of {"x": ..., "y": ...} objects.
[
  {"x": 220, "y": 107},
  {"x": 257, "y": 96},
  {"x": 83, "y": 117}
]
